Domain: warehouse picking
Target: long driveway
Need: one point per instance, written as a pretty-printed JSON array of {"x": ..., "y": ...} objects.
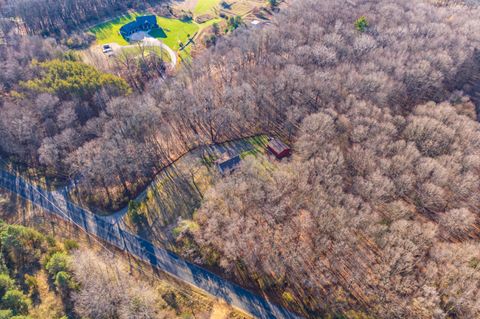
[
  {"x": 157, "y": 257},
  {"x": 234, "y": 147}
]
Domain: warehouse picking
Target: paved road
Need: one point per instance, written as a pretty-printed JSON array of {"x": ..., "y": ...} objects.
[{"x": 55, "y": 203}]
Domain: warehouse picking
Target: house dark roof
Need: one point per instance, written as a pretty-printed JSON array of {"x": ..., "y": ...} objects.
[
  {"x": 277, "y": 146},
  {"x": 227, "y": 163},
  {"x": 139, "y": 21},
  {"x": 127, "y": 28},
  {"x": 152, "y": 20}
]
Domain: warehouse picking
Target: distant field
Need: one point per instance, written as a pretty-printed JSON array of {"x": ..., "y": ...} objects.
[
  {"x": 205, "y": 6},
  {"x": 243, "y": 7}
]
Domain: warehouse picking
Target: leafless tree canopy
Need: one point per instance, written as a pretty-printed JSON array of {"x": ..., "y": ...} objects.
[
  {"x": 360, "y": 212},
  {"x": 55, "y": 17},
  {"x": 108, "y": 292},
  {"x": 378, "y": 210},
  {"x": 310, "y": 58}
]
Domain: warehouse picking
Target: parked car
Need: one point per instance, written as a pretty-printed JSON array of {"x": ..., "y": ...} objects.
[{"x": 107, "y": 48}]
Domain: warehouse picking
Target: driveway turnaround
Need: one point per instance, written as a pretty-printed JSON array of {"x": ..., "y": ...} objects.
[{"x": 111, "y": 233}]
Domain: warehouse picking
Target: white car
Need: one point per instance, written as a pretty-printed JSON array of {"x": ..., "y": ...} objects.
[{"x": 107, "y": 49}]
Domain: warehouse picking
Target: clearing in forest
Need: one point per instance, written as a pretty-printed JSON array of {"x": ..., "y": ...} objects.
[
  {"x": 186, "y": 29},
  {"x": 177, "y": 191},
  {"x": 173, "y": 32}
]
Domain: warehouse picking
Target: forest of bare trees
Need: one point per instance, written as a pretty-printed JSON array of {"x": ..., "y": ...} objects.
[
  {"x": 253, "y": 82},
  {"x": 364, "y": 214},
  {"x": 122, "y": 296},
  {"x": 377, "y": 212}
]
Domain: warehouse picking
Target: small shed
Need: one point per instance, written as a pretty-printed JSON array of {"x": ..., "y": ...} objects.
[
  {"x": 278, "y": 148},
  {"x": 227, "y": 163}
]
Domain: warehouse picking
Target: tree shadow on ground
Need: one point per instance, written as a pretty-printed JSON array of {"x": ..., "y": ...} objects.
[
  {"x": 172, "y": 197},
  {"x": 158, "y": 33}
]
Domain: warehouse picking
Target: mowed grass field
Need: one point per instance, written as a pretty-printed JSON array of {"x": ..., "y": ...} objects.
[
  {"x": 172, "y": 31},
  {"x": 109, "y": 32},
  {"x": 237, "y": 7},
  {"x": 205, "y": 6}
]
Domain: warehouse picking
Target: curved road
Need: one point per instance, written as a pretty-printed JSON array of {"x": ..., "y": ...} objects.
[{"x": 55, "y": 203}]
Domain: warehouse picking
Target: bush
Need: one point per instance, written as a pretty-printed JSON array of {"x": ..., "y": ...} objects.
[
  {"x": 215, "y": 28},
  {"x": 134, "y": 215},
  {"x": 288, "y": 297},
  {"x": 50, "y": 241},
  {"x": 210, "y": 40},
  {"x": 186, "y": 16},
  {"x": 16, "y": 301},
  {"x": 79, "y": 40},
  {"x": 361, "y": 24},
  {"x": 57, "y": 263},
  {"x": 234, "y": 22},
  {"x": 64, "y": 282},
  {"x": 6, "y": 314},
  {"x": 32, "y": 283},
  {"x": 6, "y": 283},
  {"x": 273, "y": 3},
  {"x": 70, "y": 245}
]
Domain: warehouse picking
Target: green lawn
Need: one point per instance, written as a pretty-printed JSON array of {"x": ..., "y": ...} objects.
[
  {"x": 109, "y": 32},
  {"x": 259, "y": 144},
  {"x": 176, "y": 31},
  {"x": 205, "y": 6},
  {"x": 136, "y": 51},
  {"x": 210, "y": 22},
  {"x": 171, "y": 31}
]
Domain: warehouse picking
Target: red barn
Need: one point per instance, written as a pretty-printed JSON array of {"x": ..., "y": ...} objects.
[{"x": 278, "y": 148}]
